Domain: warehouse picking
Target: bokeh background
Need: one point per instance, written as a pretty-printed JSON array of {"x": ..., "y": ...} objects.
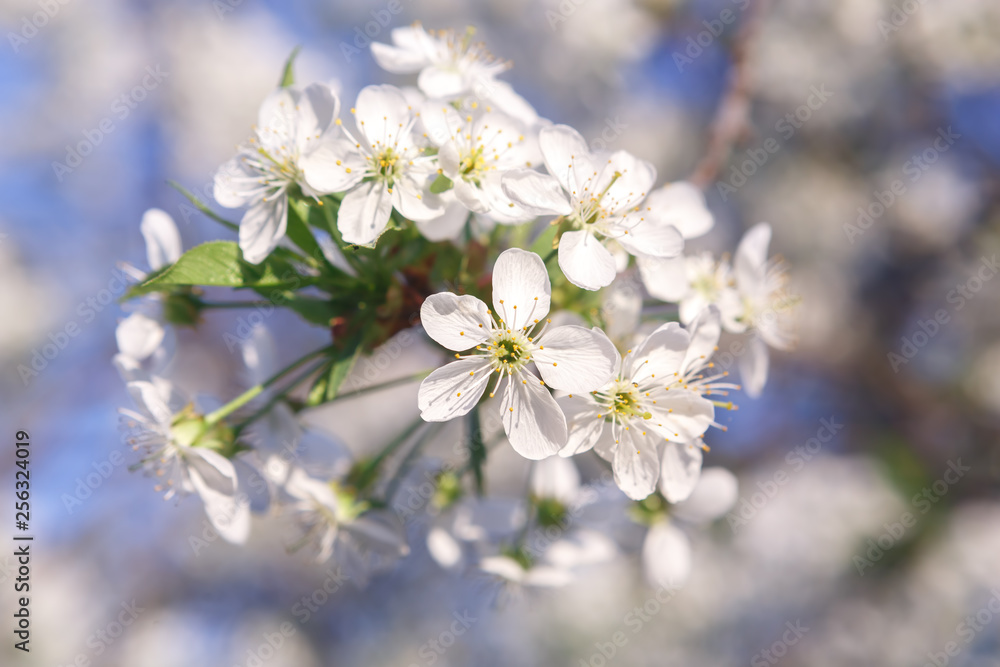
[{"x": 898, "y": 75}]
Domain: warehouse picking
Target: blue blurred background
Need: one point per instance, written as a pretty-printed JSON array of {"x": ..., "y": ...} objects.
[{"x": 642, "y": 75}]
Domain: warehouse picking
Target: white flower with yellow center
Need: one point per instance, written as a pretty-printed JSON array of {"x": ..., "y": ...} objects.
[
  {"x": 178, "y": 450},
  {"x": 383, "y": 168},
  {"x": 597, "y": 197},
  {"x": 291, "y": 123},
  {"x": 767, "y": 306},
  {"x": 339, "y": 524},
  {"x": 475, "y": 150},
  {"x": 659, "y": 396},
  {"x": 452, "y": 66},
  {"x": 505, "y": 342}
]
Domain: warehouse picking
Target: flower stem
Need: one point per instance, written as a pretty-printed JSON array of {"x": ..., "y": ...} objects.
[
  {"x": 552, "y": 253},
  {"x": 256, "y": 390},
  {"x": 378, "y": 387},
  {"x": 280, "y": 396}
]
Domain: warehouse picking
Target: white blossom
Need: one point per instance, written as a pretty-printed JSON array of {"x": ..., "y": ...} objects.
[
  {"x": 291, "y": 123},
  {"x": 597, "y": 197},
  {"x": 175, "y": 445},
  {"x": 383, "y": 168},
  {"x": 653, "y": 410},
  {"x": 505, "y": 341}
]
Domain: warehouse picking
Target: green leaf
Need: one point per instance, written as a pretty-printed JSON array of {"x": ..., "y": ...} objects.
[
  {"x": 341, "y": 368},
  {"x": 220, "y": 264},
  {"x": 441, "y": 184},
  {"x": 201, "y": 206},
  {"x": 327, "y": 385},
  {"x": 288, "y": 75},
  {"x": 542, "y": 245},
  {"x": 318, "y": 390},
  {"x": 298, "y": 228},
  {"x": 315, "y": 311}
]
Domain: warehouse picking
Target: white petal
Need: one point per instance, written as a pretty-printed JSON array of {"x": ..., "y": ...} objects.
[
  {"x": 214, "y": 478},
  {"x": 263, "y": 227},
  {"x": 501, "y": 95},
  {"x": 236, "y": 184},
  {"x": 585, "y": 428},
  {"x": 456, "y": 322},
  {"x": 259, "y": 354},
  {"x": 661, "y": 353},
  {"x": 713, "y": 496},
  {"x": 753, "y": 367},
  {"x": 666, "y": 556},
  {"x": 503, "y": 567},
  {"x": 163, "y": 241},
  {"x": 501, "y": 207},
  {"x": 681, "y": 205},
  {"x": 575, "y": 359},
  {"x": 750, "y": 261},
  {"x": 318, "y": 107},
  {"x": 521, "y": 288},
  {"x": 442, "y": 123},
  {"x": 642, "y": 236},
  {"x": 580, "y": 549},
  {"x": 139, "y": 336},
  {"x": 252, "y": 484},
  {"x": 364, "y": 213},
  {"x": 622, "y": 310},
  {"x": 636, "y": 464},
  {"x": 453, "y": 390},
  {"x": 334, "y": 165},
  {"x": 398, "y": 60},
  {"x": 446, "y": 227},
  {"x": 561, "y": 145},
  {"x": 635, "y": 181},
  {"x": 534, "y": 424},
  {"x": 412, "y": 197},
  {"x": 380, "y": 533},
  {"x": 383, "y": 114},
  {"x": 471, "y": 196},
  {"x": 585, "y": 261},
  {"x": 277, "y": 119},
  {"x": 440, "y": 82},
  {"x": 556, "y": 478},
  {"x": 444, "y": 549},
  {"x": 705, "y": 332},
  {"x": 664, "y": 277},
  {"x": 681, "y": 415},
  {"x": 679, "y": 470},
  {"x": 539, "y": 193},
  {"x": 152, "y": 400}
]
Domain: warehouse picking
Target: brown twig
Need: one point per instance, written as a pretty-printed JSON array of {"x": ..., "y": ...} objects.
[{"x": 730, "y": 120}]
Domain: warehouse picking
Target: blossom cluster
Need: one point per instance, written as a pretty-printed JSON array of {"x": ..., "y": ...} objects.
[{"x": 520, "y": 251}]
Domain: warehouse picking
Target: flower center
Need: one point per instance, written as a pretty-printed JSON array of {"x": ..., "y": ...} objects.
[
  {"x": 622, "y": 402},
  {"x": 385, "y": 165},
  {"x": 473, "y": 165},
  {"x": 281, "y": 167},
  {"x": 707, "y": 285},
  {"x": 511, "y": 351}
]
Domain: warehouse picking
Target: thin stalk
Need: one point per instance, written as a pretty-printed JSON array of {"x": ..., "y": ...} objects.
[
  {"x": 404, "y": 466},
  {"x": 255, "y": 391},
  {"x": 201, "y": 206},
  {"x": 378, "y": 387},
  {"x": 280, "y": 396}
]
